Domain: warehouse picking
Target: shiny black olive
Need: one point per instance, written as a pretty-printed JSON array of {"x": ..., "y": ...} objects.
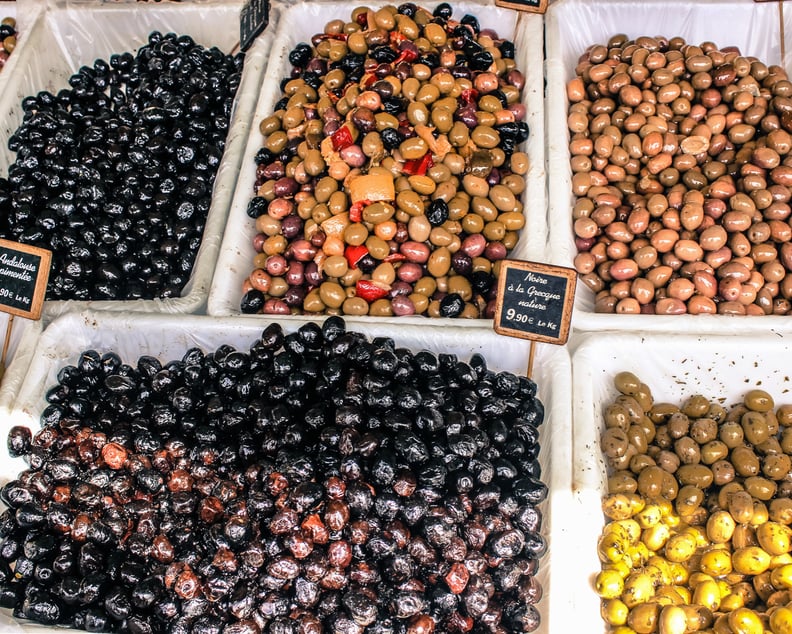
[{"x": 443, "y": 10}]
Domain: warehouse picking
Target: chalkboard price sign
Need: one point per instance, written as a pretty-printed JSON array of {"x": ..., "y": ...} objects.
[
  {"x": 531, "y": 6},
  {"x": 253, "y": 19},
  {"x": 24, "y": 271},
  {"x": 534, "y": 301}
]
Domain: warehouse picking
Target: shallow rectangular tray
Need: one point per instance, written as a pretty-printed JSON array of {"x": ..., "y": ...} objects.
[
  {"x": 720, "y": 368},
  {"x": 574, "y": 25},
  {"x": 299, "y": 24},
  {"x": 168, "y": 338},
  {"x": 70, "y": 36}
]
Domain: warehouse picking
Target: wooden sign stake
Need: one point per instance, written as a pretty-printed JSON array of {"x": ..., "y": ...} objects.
[
  {"x": 5, "y": 345},
  {"x": 534, "y": 301},
  {"x": 531, "y": 355}
]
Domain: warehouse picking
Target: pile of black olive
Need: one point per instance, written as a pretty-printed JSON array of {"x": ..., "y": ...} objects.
[
  {"x": 320, "y": 481},
  {"x": 115, "y": 173}
]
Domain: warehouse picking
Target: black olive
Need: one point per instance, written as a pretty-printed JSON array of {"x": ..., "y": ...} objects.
[
  {"x": 300, "y": 55},
  {"x": 19, "y": 438},
  {"x": 507, "y": 49},
  {"x": 443, "y": 10},
  {"x": 452, "y": 305},
  {"x": 391, "y": 138}
]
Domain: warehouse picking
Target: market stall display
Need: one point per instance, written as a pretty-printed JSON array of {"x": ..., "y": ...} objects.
[
  {"x": 673, "y": 159},
  {"x": 107, "y": 48},
  {"x": 705, "y": 425},
  {"x": 427, "y": 194},
  {"x": 421, "y": 484}
]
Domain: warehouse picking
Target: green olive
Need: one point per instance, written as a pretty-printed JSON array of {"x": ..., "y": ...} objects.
[
  {"x": 442, "y": 119},
  {"x": 485, "y": 137},
  {"x": 413, "y": 148},
  {"x": 758, "y": 401}
]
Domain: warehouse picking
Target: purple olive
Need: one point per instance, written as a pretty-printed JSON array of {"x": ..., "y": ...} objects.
[
  {"x": 402, "y": 306},
  {"x": 291, "y": 226}
]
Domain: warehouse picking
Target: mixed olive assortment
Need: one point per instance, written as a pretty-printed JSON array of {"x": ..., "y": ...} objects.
[
  {"x": 115, "y": 173},
  {"x": 317, "y": 482},
  {"x": 8, "y": 37},
  {"x": 682, "y": 174},
  {"x": 390, "y": 180},
  {"x": 699, "y": 504}
]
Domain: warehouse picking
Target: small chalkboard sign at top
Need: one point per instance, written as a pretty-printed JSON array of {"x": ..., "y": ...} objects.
[
  {"x": 531, "y": 6},
  {"x": 253, "y": 19},
  {"x": 534, "y": 301},
  {"x": 24, "y": 271}
]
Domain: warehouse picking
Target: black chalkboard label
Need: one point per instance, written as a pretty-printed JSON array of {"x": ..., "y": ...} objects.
[
  {"x": 24, "y": 271},
  {"x": 532, "y": 6},
  {"x": 534, "y": 301},
  {"x": 253, "y": 19}
]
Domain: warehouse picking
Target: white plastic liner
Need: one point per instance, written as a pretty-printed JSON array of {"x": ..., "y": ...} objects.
[
  {"x": 571, "y": 26},
  {"x": 21, "y": 345},
  {"x": 134, "y": 335},
  {"x": 299, "y": 24},
  {"x": 719, "y": 368},
  {"x": 70, "y": 36},
  {"x": 25, "y": 16}
]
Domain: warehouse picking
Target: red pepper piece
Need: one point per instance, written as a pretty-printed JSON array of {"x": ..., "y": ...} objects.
[
  {"x": 469, "y": 95},
  {"x": 369, "y": 80},
  {"x": 418, "y": 167},
  {"x": 341, "y": 138},
  {"x": 369, "y": 290},
  {"x": 356, "y": 210},
  {"x": 361, "y": 19},
  {"x": 394, "y": 257},
  {"x": 396, "y": 37},
  {"x": 355, "y": 253},
  {"x": 405, "y": 56}
]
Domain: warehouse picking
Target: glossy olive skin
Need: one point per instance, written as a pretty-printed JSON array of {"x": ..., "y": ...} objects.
[
  {"x": 346, "y": 476},
  {"x": 114, "y": 173},
  {"x": 651, "y": 124},
  {"x": 432, "y": 107},
  {"x": 696, "y": 502}
]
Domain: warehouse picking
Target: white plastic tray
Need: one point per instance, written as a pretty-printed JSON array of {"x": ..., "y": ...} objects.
[
  {"x": 168, "y": 338},
  {"x": 26, "y": 16},
  {"x": 299, "y": 24},
  {"x": 571, "y": 26},
  {"x": 21, "y": 345},
  {"x": 69, "y": 36},
  {"x": 719, "y": 368}
]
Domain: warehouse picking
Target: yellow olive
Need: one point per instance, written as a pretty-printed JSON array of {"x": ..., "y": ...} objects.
[
  {"x": 638, "y": 588},
  {"x": 781, "y": 620},
  {"x": 680, "y": 547},
  {"x": 720, "y": 527},
  {"x": 716, "y": 562},
  {"x": 609, "y": 584},
  {"x": 614, "y": 612},
  {"x": 643, "y": 618},
  {"x": 707, "y": 593},
  {"x": 745, "y": 621},
  {"x": 673, "y": 620},
  {"x": 751, "y": 560}
]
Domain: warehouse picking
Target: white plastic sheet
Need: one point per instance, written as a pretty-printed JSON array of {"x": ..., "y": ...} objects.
[
  {"x": 167, "y": 338},
  {"x": 21, "y": 345},
  {"x": 299, "y": 24},
  {"x": 720, "y": 368},
  {"x": 70, "y": 36},
  {"x": 26, "y": 16},
  {"x": 574, "y": 25}
]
